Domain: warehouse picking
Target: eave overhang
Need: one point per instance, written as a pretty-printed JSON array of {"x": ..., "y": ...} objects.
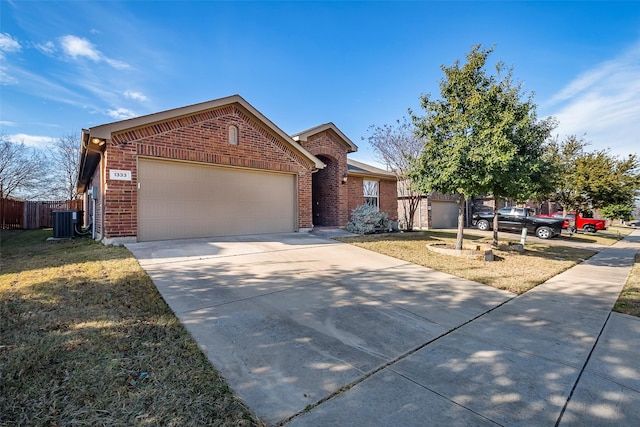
[
  {"x": 355, "y": 168},
  {"x": 90, "y": 154}
]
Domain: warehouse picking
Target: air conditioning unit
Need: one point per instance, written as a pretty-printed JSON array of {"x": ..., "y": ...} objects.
[{"x": 65, "y": 223}]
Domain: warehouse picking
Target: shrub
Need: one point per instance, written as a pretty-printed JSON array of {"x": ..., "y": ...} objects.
[{"x": 366, "y": 219}]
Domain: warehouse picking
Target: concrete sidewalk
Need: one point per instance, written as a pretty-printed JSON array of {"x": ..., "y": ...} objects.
[
  {"x": 553, "y": 356},
  {"x": 311, "y": 332}
]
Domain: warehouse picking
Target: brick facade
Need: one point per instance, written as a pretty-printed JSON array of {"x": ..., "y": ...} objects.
[
  {"x": 201, "y": 138},
  {"x": 329, "y": 194},
  {"x": 387, "y": 196},
  {"x": 202, "y": 134},
  {"x": 355, "y": 193}
]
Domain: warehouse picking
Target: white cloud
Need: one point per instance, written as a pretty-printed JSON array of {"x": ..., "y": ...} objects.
[
  {"x": 43, "y": 87},
  {"x": 8, "y": 43},
  {"x": 603, "y": 104},
  {"x": 117, "y": 64},
  {"x": 31, "y": 140},
  {"x": 5, "y": 78},
  {"x": 121, "y": 113},
  {"x": 6, "y": 123},
  {"x": 47, "y": 48},
  {"x": 138, "y": 96},
  {"x": 77, "y": 47}
]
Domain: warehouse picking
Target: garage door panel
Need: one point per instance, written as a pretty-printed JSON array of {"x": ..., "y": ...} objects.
[
  {"x": 180, "y": 200},
  {"x": 444, "y": 214}
]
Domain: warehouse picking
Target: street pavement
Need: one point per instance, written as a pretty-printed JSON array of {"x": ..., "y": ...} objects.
[{"x": 312, "y": 332}]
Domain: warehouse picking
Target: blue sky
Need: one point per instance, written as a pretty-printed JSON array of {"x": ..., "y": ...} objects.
[{"x": 71, "y": 65}]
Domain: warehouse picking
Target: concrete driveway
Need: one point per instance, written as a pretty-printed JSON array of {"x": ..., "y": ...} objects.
[{"x": 312, "y": 332}]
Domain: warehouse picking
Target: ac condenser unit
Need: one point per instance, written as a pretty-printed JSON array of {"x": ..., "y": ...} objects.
[{"x": 64, "y": 223}]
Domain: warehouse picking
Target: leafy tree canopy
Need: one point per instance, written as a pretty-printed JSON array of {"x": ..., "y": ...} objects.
[
  {"x": 481, "y": 137},
  {"x": 616, "y": 211},
  {"x": 585, "y": 180}
]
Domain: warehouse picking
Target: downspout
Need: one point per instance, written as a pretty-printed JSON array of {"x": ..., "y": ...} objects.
[
  {"x": 93, "y": 213},
  {"x": 103, "y": 191}
]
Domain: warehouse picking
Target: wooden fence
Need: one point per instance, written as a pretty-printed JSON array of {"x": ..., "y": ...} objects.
[{"x": 17, "y": 214}]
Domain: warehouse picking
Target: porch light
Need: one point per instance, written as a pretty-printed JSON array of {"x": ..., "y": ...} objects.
[
  {"x": 99, "y": 142},
  {"x": 344, "y": 178}
]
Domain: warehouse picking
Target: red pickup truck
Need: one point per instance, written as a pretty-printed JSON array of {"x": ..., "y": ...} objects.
[{"x": 590, "y": 225}]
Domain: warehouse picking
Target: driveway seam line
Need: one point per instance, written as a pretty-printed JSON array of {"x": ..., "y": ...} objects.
[
  {"x": 382, "y": 367},
  {"x": 444, "y": 397},
  {"x": 584, "y": 366}
]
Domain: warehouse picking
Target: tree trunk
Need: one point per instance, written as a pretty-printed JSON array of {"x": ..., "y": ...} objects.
[
  {"x": 460, "y": 234},
  {"x": 494, "y": 242},
  {"x": 410, "y": 206}
]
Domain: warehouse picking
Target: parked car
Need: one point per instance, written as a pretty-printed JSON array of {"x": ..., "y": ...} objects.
[
  {"x": 590, "y": 225},
  {"x": 514, "y": 219}
]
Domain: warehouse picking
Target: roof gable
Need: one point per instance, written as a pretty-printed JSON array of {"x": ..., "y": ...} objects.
[
  {"x": 94, "y": 139},
  {"x": 302, "y": 136},
  {"x": 105, "y": 131}
]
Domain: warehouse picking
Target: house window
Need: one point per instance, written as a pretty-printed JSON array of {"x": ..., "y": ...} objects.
[
  {"x": 371, "y": 193},
  {"x": 233, "y": 135}
]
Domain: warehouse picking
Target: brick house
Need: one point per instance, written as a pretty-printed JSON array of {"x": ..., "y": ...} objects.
[{"x": 220, "y": 168}]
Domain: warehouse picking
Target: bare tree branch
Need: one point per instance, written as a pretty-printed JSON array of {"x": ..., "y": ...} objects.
[
  {"x": 22, "y": 169},
  {"x": 65, "y": 155},
  {"x": 397, "y": 146}
]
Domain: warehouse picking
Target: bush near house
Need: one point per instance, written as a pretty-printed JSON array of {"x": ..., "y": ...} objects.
[{"x": 367, "y": 219}]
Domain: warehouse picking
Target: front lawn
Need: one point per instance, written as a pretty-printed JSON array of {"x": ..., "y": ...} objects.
[
  {"x": 86, "y": 339},
  {"x": 512, "y": 271},
  {"x": 629, "y": 299}
]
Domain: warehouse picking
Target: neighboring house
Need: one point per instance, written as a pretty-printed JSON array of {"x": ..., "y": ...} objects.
[
  {"x": 433, "y": 211},
  {"x": 219, "y": 168}
]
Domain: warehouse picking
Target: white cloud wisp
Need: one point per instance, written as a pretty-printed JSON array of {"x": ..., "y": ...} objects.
[
  {"x": 31, "y": 140},
  {"x": 77, "y": 47},
  {"x": 603, "y": 104}
]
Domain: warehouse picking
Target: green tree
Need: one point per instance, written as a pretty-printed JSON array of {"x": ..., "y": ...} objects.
[
  {"x": 591, "y": 180},
  {"x": 605, "y": 180},
  {"x": 563, "y": 157},
  {"x": 616, "y": 211},
  {"x": 481, "y": 137}
]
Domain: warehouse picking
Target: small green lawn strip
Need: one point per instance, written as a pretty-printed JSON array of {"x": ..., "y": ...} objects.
[{"x": 87, "y": 340}]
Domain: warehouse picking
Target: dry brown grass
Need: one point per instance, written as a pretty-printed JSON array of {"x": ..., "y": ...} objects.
[
  {"x": 512, "y": 271},
  {"x": 87, "y": 340},
  {"x": 629, "y": 299}
]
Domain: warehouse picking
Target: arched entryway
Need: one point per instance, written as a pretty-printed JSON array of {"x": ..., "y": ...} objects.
[{"x": 325, "y": 188}]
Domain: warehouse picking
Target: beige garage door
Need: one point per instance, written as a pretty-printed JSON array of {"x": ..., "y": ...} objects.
[
  {"x": 444, "y": 214},
  {"x": 182, "y": 200}
]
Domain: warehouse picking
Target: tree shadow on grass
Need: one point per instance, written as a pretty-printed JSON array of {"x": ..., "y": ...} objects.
[{"x": 104, "y": 351}]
